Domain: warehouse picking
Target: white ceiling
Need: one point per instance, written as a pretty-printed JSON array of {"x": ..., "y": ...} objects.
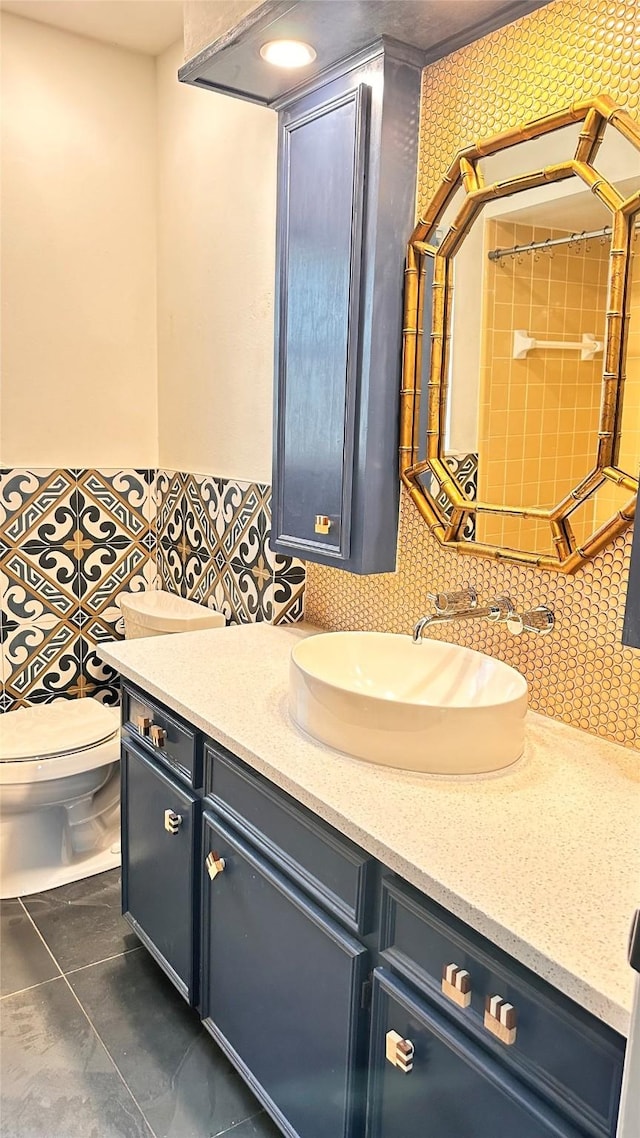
[{"x": 149, "y": 26}]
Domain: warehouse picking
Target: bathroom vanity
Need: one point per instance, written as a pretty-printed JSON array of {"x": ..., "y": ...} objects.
[{"x": 379, "y": 953}]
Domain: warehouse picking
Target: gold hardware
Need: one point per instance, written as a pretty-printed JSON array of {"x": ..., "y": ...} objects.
[
  {"x": 215, "y": 864},
  {"x": 158, "y": 735},
  {"x": 323, "y": 523},
  {"x": 143, "y": 723},
  {"x": 399, "y": 1052},
  {"x": 500, "y": 1019},
  {"x": 172, "y": 821},
  {"x": 447, "y": 522},
  {"x": 456, "y": 985}
]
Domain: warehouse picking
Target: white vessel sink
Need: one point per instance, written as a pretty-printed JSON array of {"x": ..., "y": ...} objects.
[{"x": 431, "y": 706}]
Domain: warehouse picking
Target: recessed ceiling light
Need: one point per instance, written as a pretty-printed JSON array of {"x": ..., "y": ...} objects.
[{"x": 287, "y": 53}]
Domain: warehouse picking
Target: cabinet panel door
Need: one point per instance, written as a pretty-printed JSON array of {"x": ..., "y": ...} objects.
[
  {"x": 158, "y": 864},
  {"x": 561, "y": 1050},
  {"x": 332, "y": 869},
  {"x": 281, "y": 991},
  {"x": 454, "y": 1089},
  {"x": 320, "y": 246}
]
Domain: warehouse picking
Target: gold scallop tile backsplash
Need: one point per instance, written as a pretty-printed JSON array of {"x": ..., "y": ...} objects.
[{"x": 581, "y": 673}]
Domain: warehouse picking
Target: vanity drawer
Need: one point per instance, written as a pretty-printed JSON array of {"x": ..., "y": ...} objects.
[
  {"x": 173, "y": 742},
  {"x": 447, "y": 1086},
  {"x": 328, "y": 866},
  {"x": 566, "y": 1054}
]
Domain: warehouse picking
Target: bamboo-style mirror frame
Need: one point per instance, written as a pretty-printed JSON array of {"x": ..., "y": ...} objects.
[{"x": 597, "y": 115}]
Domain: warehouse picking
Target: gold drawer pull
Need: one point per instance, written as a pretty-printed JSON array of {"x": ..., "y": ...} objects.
[
  {"x": 143, "y": 723},
  {"x": 215, "y": 864},
  {"x": 500, "y": 1019},
  {"x": 172, "y": 821},
  {"x": 323, "y": 523},
  {"x": 158, "y": 735},
  {"x": 456, "y": 985},
  {"x": 399, "y": 1052}
]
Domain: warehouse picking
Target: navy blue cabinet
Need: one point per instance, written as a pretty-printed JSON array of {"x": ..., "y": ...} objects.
[
  {"x": 447, "y": 1087},
  {"x": 331, "y": 869},
  {"x": 160, "y": 858},
  {"x": 347, "y": 170},
  {"x": 322, "y": 975},
  {"x": 559, "y": 1051},
  {"x": 282, "y": 991}
]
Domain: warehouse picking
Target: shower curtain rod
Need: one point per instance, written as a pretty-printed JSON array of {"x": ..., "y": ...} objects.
[{"x": 497, "y": 254}]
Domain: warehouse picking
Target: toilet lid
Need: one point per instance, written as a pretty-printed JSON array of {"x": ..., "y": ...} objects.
[{"x": 55, "y": 729}]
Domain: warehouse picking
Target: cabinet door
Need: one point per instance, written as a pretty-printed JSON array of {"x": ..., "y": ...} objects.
[
  {"x": 453, "y": 1090},
  {"x": 322, "y": 166},
  {"x": 282, "y": 990},
  {"x": 160, "y": 844}
]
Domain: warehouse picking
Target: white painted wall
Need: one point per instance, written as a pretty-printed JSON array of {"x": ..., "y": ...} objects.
[
  {"x": 78, "y": 151},
  {"x": 138, "y": 237},
  {"x": 216, "y": 257}
]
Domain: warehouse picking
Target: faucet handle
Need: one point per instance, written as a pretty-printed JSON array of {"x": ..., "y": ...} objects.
[
  {"x": 540, "y": 620},
  {"x": 501, "y": 609},
  {"x": 448, "y": 603}
]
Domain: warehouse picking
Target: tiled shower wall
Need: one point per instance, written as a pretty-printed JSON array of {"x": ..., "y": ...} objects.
[
  {"x": 71, "y": 540},
  {"x": 538, "y": 442}
]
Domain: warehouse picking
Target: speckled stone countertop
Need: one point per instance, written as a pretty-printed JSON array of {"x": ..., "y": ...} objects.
[{"x": 543, "y": 859}]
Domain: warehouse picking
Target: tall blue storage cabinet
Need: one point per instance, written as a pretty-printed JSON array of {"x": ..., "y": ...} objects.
[{"x": 346, "y": 199}]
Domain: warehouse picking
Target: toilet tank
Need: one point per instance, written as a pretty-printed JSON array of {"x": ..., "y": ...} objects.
[{"x": 156, "y": 613}]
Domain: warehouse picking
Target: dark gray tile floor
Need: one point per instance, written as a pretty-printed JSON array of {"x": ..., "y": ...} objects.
[{"x": 95, "y": 1041}]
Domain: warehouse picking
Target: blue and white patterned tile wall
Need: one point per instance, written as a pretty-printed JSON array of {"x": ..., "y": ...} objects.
[
  {"x": 213, "y": 547},
  {"x": 71, "y": 540}
]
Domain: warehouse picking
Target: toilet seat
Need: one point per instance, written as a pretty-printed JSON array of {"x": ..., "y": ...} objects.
[{"x": 52, "y": 740}]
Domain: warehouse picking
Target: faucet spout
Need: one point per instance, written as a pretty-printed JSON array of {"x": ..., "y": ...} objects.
[
  {"x": 500, "y": 609},
  {"x": 424, "y": 622}
]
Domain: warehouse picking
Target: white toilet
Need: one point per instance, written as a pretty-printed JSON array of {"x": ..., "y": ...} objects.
[
  {"x": 59, "y": 769},
  {"x": 59, "y": 794},
  {"x": 156, "y": 613}
]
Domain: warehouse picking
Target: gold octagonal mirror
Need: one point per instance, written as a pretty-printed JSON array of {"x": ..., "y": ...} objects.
[{"x": 520, "y": 406}]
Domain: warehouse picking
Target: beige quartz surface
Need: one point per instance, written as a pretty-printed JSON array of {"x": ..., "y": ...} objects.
[{"x": 543, "y": 859}]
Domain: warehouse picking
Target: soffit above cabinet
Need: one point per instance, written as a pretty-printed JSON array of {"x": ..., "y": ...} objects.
[{"x": 338, "y": 29}]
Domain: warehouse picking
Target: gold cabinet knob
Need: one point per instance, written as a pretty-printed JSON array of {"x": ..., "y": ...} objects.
[
  {"x": 456, "y": 985},
  {"x": 215, "y": 864},
  {"x": 399, "y": 1052},
  {"x": 172, "y": 821},
  {"x": 323, "y": 523},
  {"x": 143, "y": 723},
  {"x": 158, "y": 735},
  {"x": 500, "y": 1019}
]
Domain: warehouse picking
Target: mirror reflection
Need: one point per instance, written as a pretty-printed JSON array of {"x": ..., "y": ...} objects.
[{"x": 525, "y": 334}]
